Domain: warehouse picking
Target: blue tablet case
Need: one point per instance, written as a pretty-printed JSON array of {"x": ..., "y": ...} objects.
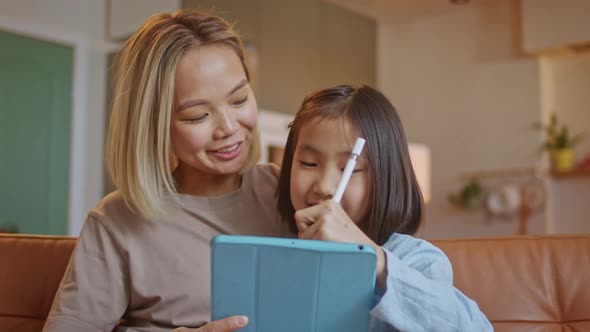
[{"x": 292, "y": 285}]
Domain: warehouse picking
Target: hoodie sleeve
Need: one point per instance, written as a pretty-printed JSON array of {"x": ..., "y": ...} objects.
[{"x": 419, "y": 295}]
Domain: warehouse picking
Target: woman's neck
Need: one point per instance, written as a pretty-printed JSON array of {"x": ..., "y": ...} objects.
[{"x": 207, "y": 185}]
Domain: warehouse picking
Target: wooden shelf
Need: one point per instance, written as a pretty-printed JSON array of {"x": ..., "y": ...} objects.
[{"x": 573, "y": 174}]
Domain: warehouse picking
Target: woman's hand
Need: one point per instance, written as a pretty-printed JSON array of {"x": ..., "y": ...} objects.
[
  {"x": 327, "y": 221},
  {"x": 228, "y": 324}
]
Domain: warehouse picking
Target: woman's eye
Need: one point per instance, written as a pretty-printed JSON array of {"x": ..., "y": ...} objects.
[
  {"x": 197, "y": 119},
  {"x": 307, "y": 164},
  {"x": 241, "y": 101}
]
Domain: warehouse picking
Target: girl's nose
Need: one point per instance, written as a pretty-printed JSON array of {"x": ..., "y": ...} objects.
[
  {"x": 326, "y": 184},
  {"x": 226, "y": 124}
]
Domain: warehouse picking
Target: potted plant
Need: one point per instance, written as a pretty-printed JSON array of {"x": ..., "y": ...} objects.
[
  {"x": 470, "y": 196},
  {"x": 559, "y": 143}
]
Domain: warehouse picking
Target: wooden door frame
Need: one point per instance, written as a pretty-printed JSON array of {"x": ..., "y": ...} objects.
[
  {"x": 274, "y": 130},
  {"x": 87, "y": 111}
]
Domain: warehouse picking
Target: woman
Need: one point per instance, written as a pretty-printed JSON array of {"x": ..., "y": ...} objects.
[{"x": 181, "y": 149}]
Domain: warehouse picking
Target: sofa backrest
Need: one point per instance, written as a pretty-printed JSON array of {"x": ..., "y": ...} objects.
[
  {"x": 31, "y": 268},
  {"x": 536, "y": 283},
  {"x": 539, "y": 283}
]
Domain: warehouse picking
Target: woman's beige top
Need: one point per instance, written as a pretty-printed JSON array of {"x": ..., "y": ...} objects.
[{"x": 155, "y": 273}]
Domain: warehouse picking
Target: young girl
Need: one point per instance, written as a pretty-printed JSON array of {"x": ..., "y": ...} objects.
[
  {"x": 381, "y": 206},
  {"x": 182, "y": 144}
]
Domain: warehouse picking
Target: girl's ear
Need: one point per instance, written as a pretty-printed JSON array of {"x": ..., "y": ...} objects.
[{"x": 173, "y": 161}]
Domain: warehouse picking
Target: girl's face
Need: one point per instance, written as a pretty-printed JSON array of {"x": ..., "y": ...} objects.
[
  {"x": 214, "y": 112},
  {"x": 323, "y": 148}
]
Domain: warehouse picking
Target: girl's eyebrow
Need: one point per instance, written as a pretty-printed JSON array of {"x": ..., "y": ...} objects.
[
  {"x": 309, "y": 148},
  {"x": 197, "y": 102},
  {"x": 313, "y": 149}
]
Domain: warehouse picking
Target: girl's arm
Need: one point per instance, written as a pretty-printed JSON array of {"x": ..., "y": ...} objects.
[
  {"x": 419, "y": 293},
  {"x": 416, "y": 278}
]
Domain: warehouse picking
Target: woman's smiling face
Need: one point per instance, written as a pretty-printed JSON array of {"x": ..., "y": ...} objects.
[{"x": 215, "y": 112}]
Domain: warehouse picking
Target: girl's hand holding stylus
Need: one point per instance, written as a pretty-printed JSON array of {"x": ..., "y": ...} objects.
[{"x": 327, "y": 221}]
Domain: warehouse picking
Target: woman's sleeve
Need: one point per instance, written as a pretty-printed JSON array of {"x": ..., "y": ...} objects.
[
  {"x": 420, "y": 295},
  {"x": 94, "y": 293}
]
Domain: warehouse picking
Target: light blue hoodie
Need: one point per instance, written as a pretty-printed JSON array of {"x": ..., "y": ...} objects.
[{"x": 420, "y": 295}]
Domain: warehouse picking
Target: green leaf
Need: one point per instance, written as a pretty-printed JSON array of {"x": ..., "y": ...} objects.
[{"x": 557, "y": 137}]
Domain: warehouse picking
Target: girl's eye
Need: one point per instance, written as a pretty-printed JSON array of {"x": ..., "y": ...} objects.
[
  {"x": 241, "y": 101},
  {"x": 307, "y": 164},
  {"x": 197, "y": 119}
]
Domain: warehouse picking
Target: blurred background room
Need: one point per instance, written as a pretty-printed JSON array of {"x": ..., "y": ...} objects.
[{"x": 493, "y": 95}]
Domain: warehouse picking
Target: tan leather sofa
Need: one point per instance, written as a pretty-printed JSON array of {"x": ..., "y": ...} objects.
[{"x": 521, "y": 283}]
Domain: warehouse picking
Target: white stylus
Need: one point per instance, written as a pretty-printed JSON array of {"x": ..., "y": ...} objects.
[{"x": 356, "y": 151}]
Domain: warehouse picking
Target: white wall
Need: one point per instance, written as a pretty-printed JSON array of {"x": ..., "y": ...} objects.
[
  {"x": 80, "y": 25},
  {"x": 569, "y": 209},
  {"x": 126, "y": 16},
  {"x": 463, "y": 87},
  {"x": 72, "y": 18}
]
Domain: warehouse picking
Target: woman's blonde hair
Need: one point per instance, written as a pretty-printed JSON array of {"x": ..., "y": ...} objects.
[{"x": 138, "y": 141}]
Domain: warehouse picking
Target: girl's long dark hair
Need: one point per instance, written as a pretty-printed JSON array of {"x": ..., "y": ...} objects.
[{"x": 396, "y": 201}]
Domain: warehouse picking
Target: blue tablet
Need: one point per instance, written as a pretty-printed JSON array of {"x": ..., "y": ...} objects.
[{"x": 292, "y": 285}]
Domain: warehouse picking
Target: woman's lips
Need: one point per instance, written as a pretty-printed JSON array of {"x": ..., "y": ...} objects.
[{"x": 228, "y": 153}]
